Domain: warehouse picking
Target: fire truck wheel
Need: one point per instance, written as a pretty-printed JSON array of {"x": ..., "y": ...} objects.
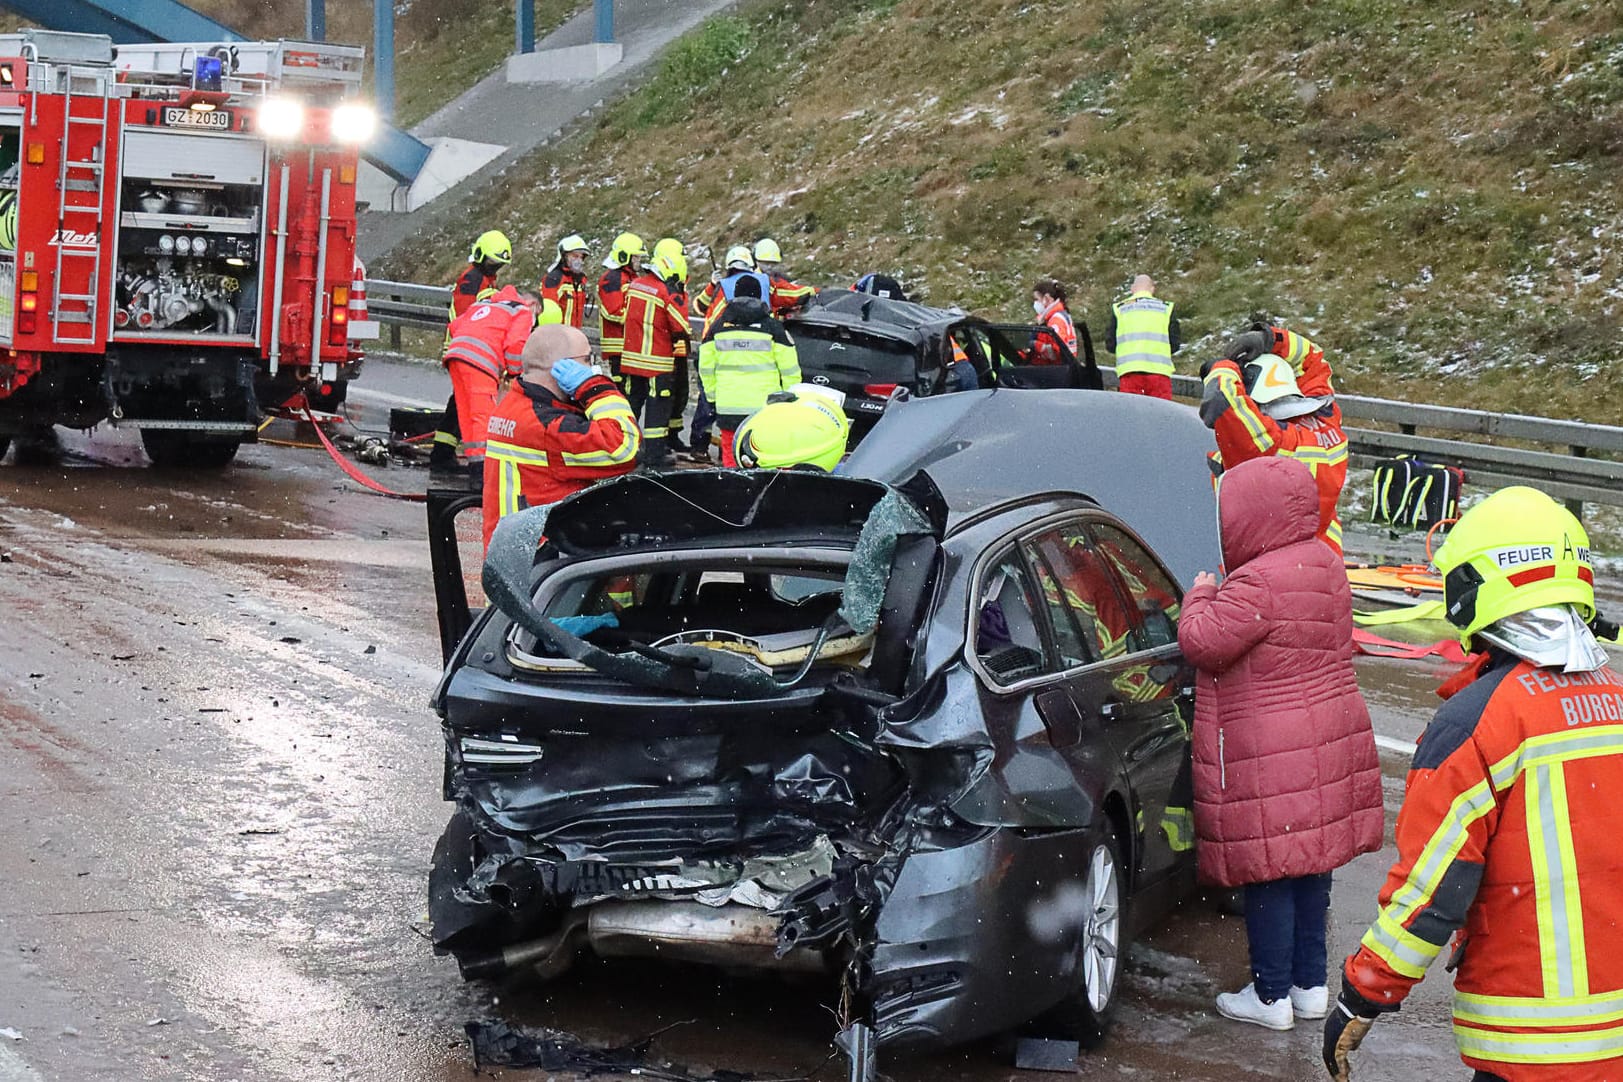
[{"x": 170, "y": 449}]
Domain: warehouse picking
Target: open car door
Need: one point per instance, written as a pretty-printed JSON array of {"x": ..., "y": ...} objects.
[
  {"x": 456, "y": 557},
  {"x": 1009, "y": 345}
]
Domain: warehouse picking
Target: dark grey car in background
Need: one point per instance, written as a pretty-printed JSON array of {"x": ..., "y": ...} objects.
[{"x": 916, "y": 730}]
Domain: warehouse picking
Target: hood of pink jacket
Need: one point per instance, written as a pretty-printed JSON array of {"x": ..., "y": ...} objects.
[{"x": 1263, "y": 505}]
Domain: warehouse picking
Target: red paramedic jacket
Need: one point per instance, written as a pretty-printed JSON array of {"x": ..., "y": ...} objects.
[
  {"x": 541, "y": 448},
  {"x": 490, "y": 336},
  {"x": 1317, "y": 441}
]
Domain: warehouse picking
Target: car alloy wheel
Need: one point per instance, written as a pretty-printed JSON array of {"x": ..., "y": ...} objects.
[{"x": 1101, "y": 932}]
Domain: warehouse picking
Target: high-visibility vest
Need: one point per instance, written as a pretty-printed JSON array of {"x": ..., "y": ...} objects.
[
  {"x": 739, "y": 367},
  {"x": 1143, "y": 335}
]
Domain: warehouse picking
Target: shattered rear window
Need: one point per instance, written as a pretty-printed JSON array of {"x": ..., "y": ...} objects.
[{"x": 769, "y": 611}]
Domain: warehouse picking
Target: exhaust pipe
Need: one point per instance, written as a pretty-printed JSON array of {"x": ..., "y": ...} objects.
[
  {"x": 733, "y": 936},
  {"x": 550, "y": 956}
]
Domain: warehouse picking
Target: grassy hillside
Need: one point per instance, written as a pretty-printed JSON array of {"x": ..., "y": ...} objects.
[
  {"x": 1432, "y": 189},
  {"x": 442, "y": 47}
]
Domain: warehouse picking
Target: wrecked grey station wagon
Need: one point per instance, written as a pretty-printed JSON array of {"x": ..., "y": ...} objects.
[{"x": 916, "y": 726}]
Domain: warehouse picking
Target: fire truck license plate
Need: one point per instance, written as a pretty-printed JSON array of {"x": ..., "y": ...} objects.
[{"x": 213, "y": 119}]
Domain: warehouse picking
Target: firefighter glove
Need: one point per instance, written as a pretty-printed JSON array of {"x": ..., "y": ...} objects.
[
  {"x": 1344, "y": 1029},
  {"x": 570, "y": 374},
  {"x": 1249, "y": 346}
]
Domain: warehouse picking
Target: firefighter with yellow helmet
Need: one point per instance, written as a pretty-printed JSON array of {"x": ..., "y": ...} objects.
[
  {"x": 802, "y": 428},
  {"x": 656, "y": 333},
  {"x": 490, "y": 253},
  {"x": 624, "y": 261},
  {"x": 1507, "y": 836},
  {"x": 785, "y": 294}
]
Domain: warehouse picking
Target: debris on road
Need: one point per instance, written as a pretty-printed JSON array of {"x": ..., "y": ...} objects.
[
  {"x": 10, "y": 1034},
  {"x": 497, "y": 1044}
]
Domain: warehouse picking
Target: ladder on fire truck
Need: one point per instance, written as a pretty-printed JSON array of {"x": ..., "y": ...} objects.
[{"x": 80, "y": 199}]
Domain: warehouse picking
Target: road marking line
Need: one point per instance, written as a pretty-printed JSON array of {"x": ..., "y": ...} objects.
[
  {"x": 1392, "y": 744},
  {"x": 387, "y": 399}
]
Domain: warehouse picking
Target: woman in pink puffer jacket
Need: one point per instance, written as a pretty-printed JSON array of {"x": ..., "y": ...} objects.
[{"x": 1287, "y": 783}]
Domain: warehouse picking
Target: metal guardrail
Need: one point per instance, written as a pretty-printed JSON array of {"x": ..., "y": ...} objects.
[{"x": 1569, "y": 474}]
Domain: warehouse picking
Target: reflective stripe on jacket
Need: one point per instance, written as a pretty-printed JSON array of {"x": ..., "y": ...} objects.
[
  {"x": 656, "y": 320},
  {"x": 541, "y": 448},
  {"x": 742, "y": 359},
  {"x": 611, "y": 306},
  {"x": 1317, "y": 441},
  {"x": 1058, "y": 319},
  {"x": 490, "y": 336},
  {"x": 1507, "y": 842},
  {"x": 568, "y": 292},
  {"x": 1143, "y": 335},
  {"x": 785, "y": 294}
]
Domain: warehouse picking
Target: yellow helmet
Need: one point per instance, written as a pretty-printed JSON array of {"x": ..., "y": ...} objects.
[
  {"x": 492, "y": 245},
  {"x": 766, "y": 251},
  {"x": 625, "y": 247},
  {"x": 551, "y": 312},
  {"x": 806, "y": 430},
  {"x": 739, "y": 258},
  {"x": 1516, "y": 550},
  {"x": 670, "y": 261}
]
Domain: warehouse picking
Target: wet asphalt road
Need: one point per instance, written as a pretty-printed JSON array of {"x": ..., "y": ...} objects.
[{"x": 219, "y": 779}]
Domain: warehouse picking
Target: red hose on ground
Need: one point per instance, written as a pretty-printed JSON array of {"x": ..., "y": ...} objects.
[{"x": 348, "y": 467}]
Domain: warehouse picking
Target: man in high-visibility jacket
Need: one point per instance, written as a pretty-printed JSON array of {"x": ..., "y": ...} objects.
[
  {"x": 491, "y": 252},
  {"x": 744, "y": 358},
  {"x": 560, "y": 428},
  {"x": 483, "y": 348},
  {"x": 1507, "y": 838},
  {"x": 786, "y": 294},
  {"x": 1272, "y": 395},
  {"x": 1143, "y": 334},
  {"x": 624, "y": 261},
  {"x": 564, "y": 283},
  {"x": 656, "y": 330}
]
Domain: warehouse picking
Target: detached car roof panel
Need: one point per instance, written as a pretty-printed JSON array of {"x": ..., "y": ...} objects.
[{"x": 1142, "y": 459}]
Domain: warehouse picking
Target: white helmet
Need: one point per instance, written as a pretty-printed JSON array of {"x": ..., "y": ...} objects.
[
  {"x": 739, "y": 258},
  {"x": 1271, "y": 383}
]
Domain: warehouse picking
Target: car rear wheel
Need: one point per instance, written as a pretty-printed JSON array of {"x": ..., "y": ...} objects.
[{"x": 1100, "y": 945}]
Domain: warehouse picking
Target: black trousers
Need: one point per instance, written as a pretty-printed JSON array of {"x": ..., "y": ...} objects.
[
  {"x": 650, "y": 398},
  {"x": 680, "y": 392}
]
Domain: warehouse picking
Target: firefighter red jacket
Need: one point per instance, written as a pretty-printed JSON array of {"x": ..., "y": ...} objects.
[
  {"x": 611, "y": 307},
  {"x": 656, "y": 322},
  {"x": 490, "y": 336},
  {"x": 1507, "y": 841},
  {"x": 787, "y": 295},
  {"x": 541, "y": 448},
  {"x": 1287, "y": 780},
  {"x": 1317, "y": 441},
  {"x": 1056, "y": 318},
  {"x": 568, "y": 292},
  {"x": 469, "y": 285}
]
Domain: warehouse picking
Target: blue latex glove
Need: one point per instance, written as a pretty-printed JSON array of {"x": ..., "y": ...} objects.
[
  {"x": 570, "y": 374},
  {"x": 585, "y": 625}
]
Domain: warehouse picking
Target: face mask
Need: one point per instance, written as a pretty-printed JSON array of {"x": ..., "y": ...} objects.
[
  {"x": 576, "y": 262},
  {"x": 1039, "y": 307}
]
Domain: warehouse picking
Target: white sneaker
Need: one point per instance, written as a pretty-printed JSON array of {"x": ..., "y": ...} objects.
[
  {"x": 1244, "y": 1006},
  {"x": 1310, "y": 1002}
]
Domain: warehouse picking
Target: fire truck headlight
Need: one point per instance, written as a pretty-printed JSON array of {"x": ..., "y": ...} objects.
[
  {"x": 354, "y": 123},
  {"x": 281, "y": 118}
]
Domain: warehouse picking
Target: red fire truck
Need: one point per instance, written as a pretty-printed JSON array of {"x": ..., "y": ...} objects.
[{"x": 177, "y": 235}]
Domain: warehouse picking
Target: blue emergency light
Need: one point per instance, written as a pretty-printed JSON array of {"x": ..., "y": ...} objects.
[{"x": 207, "y": 73}]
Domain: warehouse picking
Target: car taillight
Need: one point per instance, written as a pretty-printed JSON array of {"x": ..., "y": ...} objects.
[{"x": 879, "y": 390}]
